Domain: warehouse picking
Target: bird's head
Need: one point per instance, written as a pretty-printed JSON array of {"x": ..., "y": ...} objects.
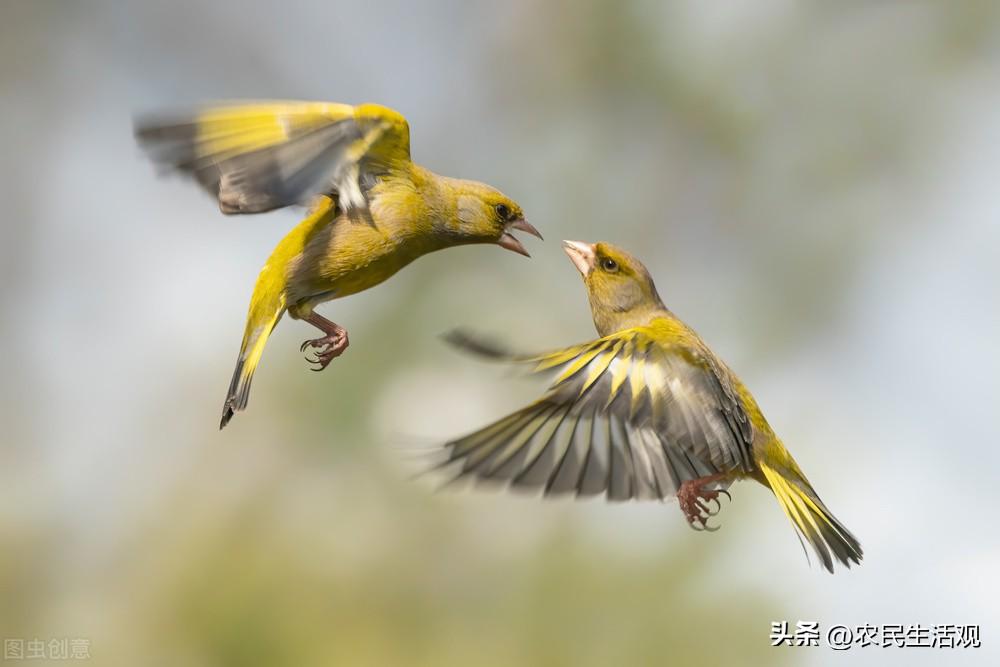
[
  {"x": 486, "y": 215},
  {"x": 620, "y": 289}
]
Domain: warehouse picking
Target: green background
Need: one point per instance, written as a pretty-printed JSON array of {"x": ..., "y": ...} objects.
[{"x": 813, "y": 186}]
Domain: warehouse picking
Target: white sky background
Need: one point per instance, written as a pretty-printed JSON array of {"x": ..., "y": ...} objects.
[{"x": 122, "y": 289}]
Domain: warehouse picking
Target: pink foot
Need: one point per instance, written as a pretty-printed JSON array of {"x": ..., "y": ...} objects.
[{"x": 693, "y": 498}]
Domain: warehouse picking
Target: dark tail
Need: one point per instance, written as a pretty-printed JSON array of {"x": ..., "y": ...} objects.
[
  {"x": 264, "y": 315},
  {"x": 828, "y": 537}
]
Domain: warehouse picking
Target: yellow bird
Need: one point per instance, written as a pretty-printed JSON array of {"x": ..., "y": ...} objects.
[
  {"x": 647, "y": 411},
  {"x": 373, "y": 211}
]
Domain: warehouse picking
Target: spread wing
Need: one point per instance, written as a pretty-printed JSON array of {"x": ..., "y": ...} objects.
[
  {"x": 258, "y": 157},
  {"x": 624, "y": 416}
]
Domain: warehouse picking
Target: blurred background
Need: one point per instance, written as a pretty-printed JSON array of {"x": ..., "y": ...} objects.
[{"x": 813, "y": 185}]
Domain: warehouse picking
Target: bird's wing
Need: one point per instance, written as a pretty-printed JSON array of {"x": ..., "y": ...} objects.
[
  {"x": 258, "y": 157},
  {"x": 624, "y": 416}
]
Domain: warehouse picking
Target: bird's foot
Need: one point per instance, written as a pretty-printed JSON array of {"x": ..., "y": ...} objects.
[
  {"x": 330, "y": 346},
  {"x": 694, "y": 500},
  {"x": 327, "y": 348}
]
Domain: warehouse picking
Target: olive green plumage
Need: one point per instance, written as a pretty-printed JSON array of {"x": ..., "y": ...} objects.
[
  {"x": 373, "y": 211},
  {"x": 640, "y": 413}
]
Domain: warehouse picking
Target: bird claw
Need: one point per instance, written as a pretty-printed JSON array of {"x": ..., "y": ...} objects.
[
  {"x": 701, "y": 524},
  {"x": 326, "y": 349},
  {"x": 711, "y": 512},
  {"x": 695, "y": 502}
]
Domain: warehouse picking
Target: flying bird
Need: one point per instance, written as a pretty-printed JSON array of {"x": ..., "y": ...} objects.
[
  {"x": 372, "y": 210},
  {"x": 646, "y": 411}
]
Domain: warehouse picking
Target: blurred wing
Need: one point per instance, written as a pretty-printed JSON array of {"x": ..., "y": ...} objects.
[
  {"x": 259, "y": 157},
  {"x": 624, "y": 417}
]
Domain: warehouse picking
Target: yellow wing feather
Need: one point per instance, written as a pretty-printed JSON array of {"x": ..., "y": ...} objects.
[
  {"x": 228, "y": 130},
  {"x": 257, "y": 157},
  {"x": 654, "y": 420}
]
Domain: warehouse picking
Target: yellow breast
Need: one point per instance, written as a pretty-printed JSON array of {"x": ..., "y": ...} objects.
[{"x": 329, "y": 255}]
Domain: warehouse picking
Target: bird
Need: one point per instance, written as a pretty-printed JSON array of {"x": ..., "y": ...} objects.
[
  {"x": 371, "y": 209},
  {"x": 646, "y": 411}
]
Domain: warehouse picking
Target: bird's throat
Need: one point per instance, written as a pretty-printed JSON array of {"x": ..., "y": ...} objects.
[{"x": 609, "y": 320}]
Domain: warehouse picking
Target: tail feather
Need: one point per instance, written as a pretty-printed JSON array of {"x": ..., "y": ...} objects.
[
  {"x": 261, "y": 321},
  {"x": 813, "y": 522},
  {"x": 477, "y": 345}
]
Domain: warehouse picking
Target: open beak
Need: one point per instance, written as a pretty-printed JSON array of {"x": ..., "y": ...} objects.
[
  {"x": 509, "y": 241},
  {"x": 582, "y": 255}
]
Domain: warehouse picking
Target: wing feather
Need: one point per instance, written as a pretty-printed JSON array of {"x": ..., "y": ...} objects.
[
  {"x": 625, "y": 417},
  {"x": 258, "y": 157}
]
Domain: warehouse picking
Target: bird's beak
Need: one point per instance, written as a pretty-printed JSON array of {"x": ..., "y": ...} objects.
[
  {"x": 510, "y": 242},
  {"x": 582, "y": 255}
]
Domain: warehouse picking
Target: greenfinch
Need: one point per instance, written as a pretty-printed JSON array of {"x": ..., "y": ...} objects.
[
  {"x": 373, "y": 211},
  {"x": 646, "y": 411}
]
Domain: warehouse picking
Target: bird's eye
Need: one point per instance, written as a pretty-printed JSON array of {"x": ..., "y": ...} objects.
[
  {"x": 609, "y": 265},
  {"x": 503, "y": 211}
]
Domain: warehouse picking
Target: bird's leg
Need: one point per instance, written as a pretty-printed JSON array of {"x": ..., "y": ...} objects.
[
  {"x": 690, "y": 497},
  {"x": 330, "y": 346}
]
